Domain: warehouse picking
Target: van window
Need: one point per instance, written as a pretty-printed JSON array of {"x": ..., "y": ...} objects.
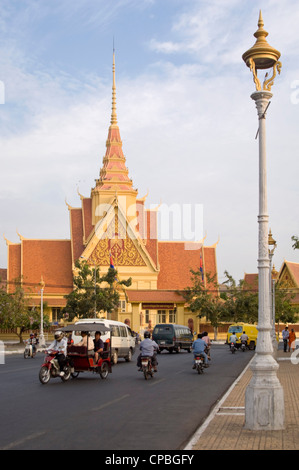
[
  {"x": 236, "y": 329},
  {"x": 163, "y": 330},
  {"x": 114, "y": 330},
  {"x": 123, "y": 331}
]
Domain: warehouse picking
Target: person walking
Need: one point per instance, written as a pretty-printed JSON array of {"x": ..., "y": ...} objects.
[
  {"x": 285, "y": 337},
  {"x": 292, "y": 339}
]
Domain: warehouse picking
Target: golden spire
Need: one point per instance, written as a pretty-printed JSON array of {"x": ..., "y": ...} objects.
[{"x": 113, "y": 114}]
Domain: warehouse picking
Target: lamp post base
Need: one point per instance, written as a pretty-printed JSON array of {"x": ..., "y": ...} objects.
[{"x": 264, "y": 397}]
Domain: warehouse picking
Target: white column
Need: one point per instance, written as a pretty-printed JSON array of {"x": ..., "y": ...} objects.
[
  {"x": 264, "y": 399},
  {"x": 42, "y": 343}
]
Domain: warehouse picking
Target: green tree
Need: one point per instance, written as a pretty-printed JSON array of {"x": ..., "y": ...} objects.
[
  {"x": 92, "y": 292},
  {"x": 16, "y": 313},
  {"x": 296, "y": 242},
  {"x": 285, "y": 311},
  {"x": 205, "y": 301},
  {"x": 241, "y": 301}
]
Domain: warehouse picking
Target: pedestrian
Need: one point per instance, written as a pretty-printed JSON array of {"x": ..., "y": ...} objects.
[
  {"x": 292, "y": 339},
  {"x": 285, "y": 337}
]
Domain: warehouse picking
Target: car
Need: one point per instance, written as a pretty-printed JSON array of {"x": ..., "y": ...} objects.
[
  {"x": 123, "y": 342},
  {"x": 173, "y": 337}
]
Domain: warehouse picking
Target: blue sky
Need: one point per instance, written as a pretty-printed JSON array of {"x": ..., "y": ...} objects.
[{"x": 184, "y": 110}]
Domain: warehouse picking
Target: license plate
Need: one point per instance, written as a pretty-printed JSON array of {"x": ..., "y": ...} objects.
[
  {"x": 162, "y": 342},
  {"x": 144, "y": 363}
]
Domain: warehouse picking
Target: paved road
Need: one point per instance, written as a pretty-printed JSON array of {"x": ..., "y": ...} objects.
[{"x": 124, "y": 412}]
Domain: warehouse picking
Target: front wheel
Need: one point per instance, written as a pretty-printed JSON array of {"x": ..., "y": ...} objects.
[
  {"x": 114, "y": 357},
  {"x": 129, "y": 356},
  {"x": 26, "y": 353},
  {"x": 44, "y": 375}
]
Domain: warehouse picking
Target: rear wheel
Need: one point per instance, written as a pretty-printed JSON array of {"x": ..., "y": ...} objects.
[
  {"x": 67, "y": 373},
  {"x": 104, "y": 370},
  {"x": 44, "y": 375}
]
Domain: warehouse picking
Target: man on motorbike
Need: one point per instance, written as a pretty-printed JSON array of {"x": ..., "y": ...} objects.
[
  {"x": 199, "y": 348},
  {"x": 233, "y": 338},
  {"x": 60, "y": 345},
  {"x": 244, "y": 338},
  {"x": 148, "y": 348}
]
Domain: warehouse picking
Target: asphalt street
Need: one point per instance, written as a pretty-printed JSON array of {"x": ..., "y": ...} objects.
[{"x": 123, "y": 412}]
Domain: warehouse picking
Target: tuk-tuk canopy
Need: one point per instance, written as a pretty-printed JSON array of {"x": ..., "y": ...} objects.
[{"x": 90, "y": 327}]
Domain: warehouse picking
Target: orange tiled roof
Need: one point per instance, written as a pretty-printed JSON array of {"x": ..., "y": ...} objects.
[
  {"x": 294, "y": 269},
  {"x": 175, "y": 263},
  {"x": 50, "y": 259}
]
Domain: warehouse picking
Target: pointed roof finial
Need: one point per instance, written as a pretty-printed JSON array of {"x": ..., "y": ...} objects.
[{"x": 113, "y": 114}]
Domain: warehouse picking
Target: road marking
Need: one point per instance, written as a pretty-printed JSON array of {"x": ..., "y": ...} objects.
[
  {"x": 156, "y": 382},
  {"x": 21, "y": 441},
  {"x": 110, "y": 403}
]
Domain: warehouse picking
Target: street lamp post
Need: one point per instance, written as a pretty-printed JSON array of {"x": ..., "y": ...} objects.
[
  {"x": 264, "y": 398},
  {"x": 272, "y": 245},
  {"x": 42, "y": 342}
]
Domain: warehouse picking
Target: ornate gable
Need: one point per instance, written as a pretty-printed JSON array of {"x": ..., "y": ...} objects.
[{"x": 115, "y": 236}]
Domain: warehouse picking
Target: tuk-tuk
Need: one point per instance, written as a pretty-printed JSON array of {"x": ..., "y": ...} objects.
[{"x": 79, "y": 358}]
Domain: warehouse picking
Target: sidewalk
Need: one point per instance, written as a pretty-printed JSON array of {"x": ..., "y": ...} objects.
[{"x": 224, "y": 428}]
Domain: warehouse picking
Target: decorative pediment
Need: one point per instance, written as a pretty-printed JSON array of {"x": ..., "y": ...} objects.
[{"x": 116, "y": 236}]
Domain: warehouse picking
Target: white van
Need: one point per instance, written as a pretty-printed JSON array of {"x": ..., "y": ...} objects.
[{"x": 123, "y": 342}]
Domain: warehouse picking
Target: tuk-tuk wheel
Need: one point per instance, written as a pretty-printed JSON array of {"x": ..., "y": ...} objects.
[
  {"x": 104, "y": 370},
  {"x": 75, "y": 375}
]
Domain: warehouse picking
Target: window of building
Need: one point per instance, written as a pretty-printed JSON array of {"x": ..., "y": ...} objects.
[
  {"x": 122, "y": 306},
  {"x": 161, "y": 316},
  {"x": 172, "y": 316}
]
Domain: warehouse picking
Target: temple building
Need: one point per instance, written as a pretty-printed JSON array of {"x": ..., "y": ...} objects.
[{"x": 113, "y": 222}]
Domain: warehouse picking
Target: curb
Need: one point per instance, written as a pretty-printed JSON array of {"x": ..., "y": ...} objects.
[{"x": 196, "y": 436}]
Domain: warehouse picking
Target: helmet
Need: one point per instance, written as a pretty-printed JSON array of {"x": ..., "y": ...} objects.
[
  {"x": 58, "y": 335},
  {"x": 147, "y": 334}
]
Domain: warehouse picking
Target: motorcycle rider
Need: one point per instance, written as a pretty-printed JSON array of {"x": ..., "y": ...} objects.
[
  {"x": 148, "y": 348},
  {"x": 207, "y": 340},
  {"x": 60, "y": 345},
  {"x": 233, "y": 339},
  {"x": 244, "y": 338},
  {"x": 199, "y": 348}
]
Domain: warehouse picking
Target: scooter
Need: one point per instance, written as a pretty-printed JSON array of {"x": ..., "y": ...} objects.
[
  {"x": 146, "y": 366},
  {"x": 199, "y": 364},
  {"x": 233, "y": 348},
  {"x": 51, "y": 369},
  {"x": 29, "y": 351}
]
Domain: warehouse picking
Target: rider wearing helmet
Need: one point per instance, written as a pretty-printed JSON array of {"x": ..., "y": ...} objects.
[
  {"x": 148, "y": 348},
  {"x": 60, "y": 345}
]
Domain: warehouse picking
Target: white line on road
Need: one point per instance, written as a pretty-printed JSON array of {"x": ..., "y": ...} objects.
[
  {"x": 110, "y": 403},
  {"x": 21, "y": 441}
]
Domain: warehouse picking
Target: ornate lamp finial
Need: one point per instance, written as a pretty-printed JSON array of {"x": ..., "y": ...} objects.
[{"x": 262, "y": 56}]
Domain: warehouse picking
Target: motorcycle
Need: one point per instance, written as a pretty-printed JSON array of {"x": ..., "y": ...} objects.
[
  {"x": 51, "y": 368},
  {"x": 29, "y": 351},
  {"x": 199, "y": 364},
  {"x": 233, "y": 348},
  {"x": 243, "y": 346},
  {"x": 146, "y": 366}
]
